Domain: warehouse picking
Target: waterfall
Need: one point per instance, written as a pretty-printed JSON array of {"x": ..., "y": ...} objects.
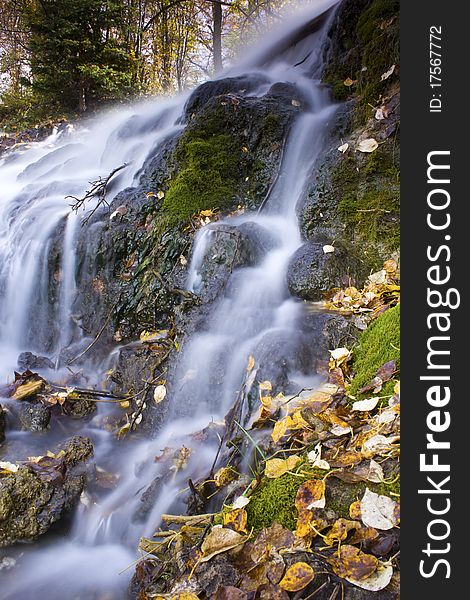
[{"x": 255, "y": 314}]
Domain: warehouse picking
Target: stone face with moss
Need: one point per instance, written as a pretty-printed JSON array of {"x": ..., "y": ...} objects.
[{"x": 378, "y": 344}]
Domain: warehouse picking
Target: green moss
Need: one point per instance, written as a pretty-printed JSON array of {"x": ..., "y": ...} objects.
[
  {"x": 207, "y": 178},
  {"x": 369, "y": 197},
  {"x": 274, "y": 501},
  {"x": 368, "y": 47},
  {"x": 378, "y": 344}
]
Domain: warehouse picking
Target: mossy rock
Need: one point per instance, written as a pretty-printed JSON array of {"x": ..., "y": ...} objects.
[
  {"x": 274, "y": 499},
  {"x": 378, "y": 344},
  {"x": 207, "y": 179},
  {"x": 365, "y": 44}
]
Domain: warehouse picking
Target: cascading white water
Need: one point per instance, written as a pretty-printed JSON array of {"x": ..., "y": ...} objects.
[{"x": 93, "y": 558}]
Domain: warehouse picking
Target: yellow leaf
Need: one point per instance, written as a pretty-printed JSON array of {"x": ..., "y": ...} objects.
[
  {"x": 350, "y": 562},
  {"x": 348, "y": 82},
  {"x": 30, "y": 388},
  {"x": 276, "y": 467},
  {"x": 236, "y": 520},
  {"x": 297, "y": 577},
  {"x": 311, "y": 494},
  {"x": 288, "y": 423},
  {"x": 339, "y": 531},
  {"x": 160, "y": 195},
  {"x": 224, "y": 476}
]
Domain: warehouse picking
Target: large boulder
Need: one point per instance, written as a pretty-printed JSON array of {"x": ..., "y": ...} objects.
[
  {"x": 228, "y": 247},
  {"x": 40, "y": 493},
  {"x": 312, "y": 272}
]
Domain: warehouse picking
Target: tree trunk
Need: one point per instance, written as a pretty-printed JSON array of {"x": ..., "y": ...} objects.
[
  {"x": 81, "y": 96},
  {"x": 217, "y": 36}
]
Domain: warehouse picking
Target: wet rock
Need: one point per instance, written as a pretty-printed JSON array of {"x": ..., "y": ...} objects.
[
  {"x": 2, "y": 424},
  {"x": 30, "y": 416},
  {"x": 280, "y": 353},
  {"x": 36, "y": 496},
  {"x": 312, "y": 272},
  {"x": 27, "y": 361},
  {"x": 230, "y": 247},
  {"x": 230, "y": 85},
  {"x": 215, "y": 574}
]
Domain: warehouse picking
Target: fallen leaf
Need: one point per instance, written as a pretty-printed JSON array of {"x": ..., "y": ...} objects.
[
  {"x": 328, "y": 249},
  {"x": 377, "y": 581},
  {"x": 295, "y": 103},
  {"x": 368, "y": 145},
  {"x": 159, "y": 394},
  {"x": 378, "y": 511},
  {"x": 340, "y": 530},
  {"x": 251, "y": 363},
  {"x": 314, "y": 457},
  {"x": 8, "y": 467},
  {"x": 240, "y": 502},
  {"x": 160, "y": 195},
  {"x": 276, "y": 467},
  {"x": 28, "y": 389},
  {"x": 351, "y": 563},
  {"x": 365, "y": 405},
  {"x": 236, "y": 519},
  {"x": 348, "y": 82},
  {"x": 153, "y": 336},
  {"x": 387, "y": 74},
  {"x": 219, "y": 540},
  {"x": 224, "y": 476},
  {"x": 343, "y": 148},
  {"x": 311, "y": 494},
  {"x": 297, "y": 577}
]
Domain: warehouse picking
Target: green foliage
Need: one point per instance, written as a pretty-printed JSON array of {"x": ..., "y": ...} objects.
[
  {"x": 378, "y": 344},
  {"x": 207, "y": 177},
  {"x": 76, "y": 56}
]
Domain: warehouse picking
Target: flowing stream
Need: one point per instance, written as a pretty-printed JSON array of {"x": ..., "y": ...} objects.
[{"x": 94, "y": 557}]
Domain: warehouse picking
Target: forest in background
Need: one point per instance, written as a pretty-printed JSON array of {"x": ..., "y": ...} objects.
[{"x": 60, "y": 58}]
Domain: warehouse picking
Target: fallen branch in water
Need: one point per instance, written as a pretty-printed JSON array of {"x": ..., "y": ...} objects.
[{"x": 99, "y": 190}]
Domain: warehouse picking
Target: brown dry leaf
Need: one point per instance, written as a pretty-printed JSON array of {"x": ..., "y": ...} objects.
[
  {"x": 237, "y": 520},
  {"x": 229, "y": 593},
  {"x": 271, "y": 592},
  {"x": 311, "y": 494},
  {"x": 339, "y": 531},
  {"x": 297, "y": 577},
  {"x": 377, "y": 581},
  {"x": 365, "y": 534},
  {"x": 271, "y": 538},
  {"x": 219, "y": 540},
  {"x": 365, "y": 405},
  {"x": 28, "y": 388},
  {"x": 224, "y": 476},
  {"x": 276, "y": 467},
  {"x": 350, "y": 562}
]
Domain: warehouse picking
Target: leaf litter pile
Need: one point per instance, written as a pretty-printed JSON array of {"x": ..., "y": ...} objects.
[{"x": 318, "y": 512}]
